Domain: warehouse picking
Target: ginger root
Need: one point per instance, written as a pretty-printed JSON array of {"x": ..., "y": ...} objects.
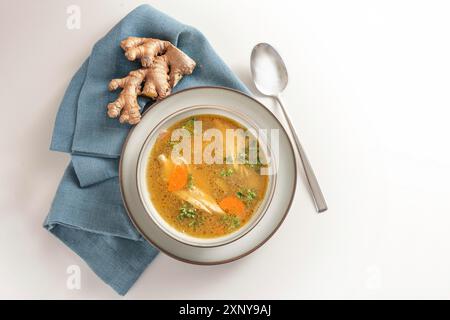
[
  {"x": 163, "y": 67},
  {"x": 126, "y": 104}
]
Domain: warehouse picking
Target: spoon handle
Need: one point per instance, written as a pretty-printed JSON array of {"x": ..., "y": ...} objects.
[{"x": 314, "y": 187}]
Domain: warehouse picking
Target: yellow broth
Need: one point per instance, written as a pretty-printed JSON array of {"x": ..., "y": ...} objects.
[{"x": 202, "y": 207}]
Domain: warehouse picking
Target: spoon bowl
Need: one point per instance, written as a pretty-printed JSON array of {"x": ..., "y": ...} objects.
[{"x": 268, "y": 70}]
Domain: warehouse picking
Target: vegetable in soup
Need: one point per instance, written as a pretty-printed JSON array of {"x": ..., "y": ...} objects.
[{"x": 201, "y": 198}]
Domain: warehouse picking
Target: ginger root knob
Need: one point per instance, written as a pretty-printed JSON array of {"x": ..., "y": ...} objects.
[{"x": 163, "y": 67}]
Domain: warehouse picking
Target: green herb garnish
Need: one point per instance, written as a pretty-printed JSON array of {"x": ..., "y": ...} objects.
[
  {"x": 256, "y": 165},
  {"x": 247, "y": 195},
  {"x": 244, "y": 159},
  {"x": 189, "y": 125},
  {"x": 190, "y": 182},
  {"x": 230, "y": 221},
  {"x": 196, "y": 222},
  {"x": 188, "y": 212},
  {"x": 226, "y": 172}
]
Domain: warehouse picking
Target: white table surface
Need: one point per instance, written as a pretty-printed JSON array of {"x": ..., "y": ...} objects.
[{"x": 369, "y": 95}]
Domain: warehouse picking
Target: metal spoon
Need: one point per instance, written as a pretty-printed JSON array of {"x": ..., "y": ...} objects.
[{"x": 270, "y": 77}]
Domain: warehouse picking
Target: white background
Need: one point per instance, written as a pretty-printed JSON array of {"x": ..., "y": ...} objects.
[{"x": 369, "y": 95}]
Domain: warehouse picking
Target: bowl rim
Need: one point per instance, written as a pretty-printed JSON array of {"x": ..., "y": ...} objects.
[
  {"x": 228, "y": 238},
  {"x": 186, "y": 260}
]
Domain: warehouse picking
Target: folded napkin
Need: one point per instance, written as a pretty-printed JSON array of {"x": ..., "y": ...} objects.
[{"x": 87, "y": 213}]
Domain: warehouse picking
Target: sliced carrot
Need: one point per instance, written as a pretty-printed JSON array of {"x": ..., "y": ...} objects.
[
  {"x": 178, "y": 178},
  {"x": 233, "y": 205}
]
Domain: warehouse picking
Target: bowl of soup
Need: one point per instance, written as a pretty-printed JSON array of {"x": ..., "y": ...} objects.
[{"x": 205, "y": 175}]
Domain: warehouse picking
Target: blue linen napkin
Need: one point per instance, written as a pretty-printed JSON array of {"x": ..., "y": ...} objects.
[{"x": 87, "y": 213}]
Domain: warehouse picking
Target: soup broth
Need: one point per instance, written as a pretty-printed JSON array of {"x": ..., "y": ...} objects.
[{"x": 204, "y": 200}]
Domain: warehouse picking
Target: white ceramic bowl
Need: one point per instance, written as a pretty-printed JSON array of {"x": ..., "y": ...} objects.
[
  {"x": 153, "y": 228},
  {"x": 143, "y": 187}
]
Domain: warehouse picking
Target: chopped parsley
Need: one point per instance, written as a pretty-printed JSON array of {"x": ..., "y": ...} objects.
[
  {"x": 247, "y": 195},
  {"x": 190, "y": 182},
  {"x": 189, "y": 125},
  {"x": 188, "y": 212},
  {"x": 230, "y": 221},
  {"x": 244, "y": 158},
  {"x": 257, "y": 166},
  {"x": 226, "y": 172}
]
